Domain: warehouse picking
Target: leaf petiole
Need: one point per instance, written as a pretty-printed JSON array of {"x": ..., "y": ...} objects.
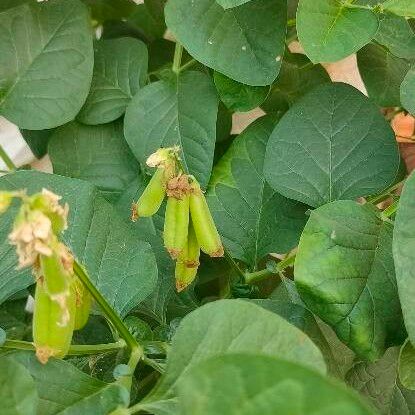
[
  {"x": 178, "y": 52},
  {"x": 7, "y": 160}
]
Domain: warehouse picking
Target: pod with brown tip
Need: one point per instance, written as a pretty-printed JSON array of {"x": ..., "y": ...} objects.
[
  {"x": 204, "y": 226},
  {"x": 52, "y": 325},
  {"x": 83, "y": 305},
  {"x": 176, "y": 224},
  {"x": 151, "y": 199}
]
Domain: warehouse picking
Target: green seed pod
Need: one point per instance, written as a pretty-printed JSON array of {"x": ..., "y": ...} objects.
[
  {"x": 188, "y": 263},
  {"x": 204, "y": 226},
  {"x": 52, "y": 324},
  {"x": 176, "y": 224},
  {"x": 83, "y": 305},
  {"x": 57, "y": 279},
  {"x": 152, "y": 197}
]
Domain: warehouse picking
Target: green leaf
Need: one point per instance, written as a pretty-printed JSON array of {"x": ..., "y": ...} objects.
[
  {"x": 102, "y": 10},
  {"x": 237, "y": 96},
  {"x": 8, "y": 4},
  {"x": 37, "y": 140},
  {"x": 148, "y": 19},
  {"x": 98, "y": 154},
  {"x": 329, "y": 30},
  {"x": 228, "y": 4},
  {"x": 252, "y": 219},
  {"x": 48, "y": 86},
  {"x": 379, "y": 383},
  {"x": 403, "y": 253},
  {"x": 345, "y": 274},
  {"x": 63, "y": 389},
  {"x": 297, "y": 77},
  {"x": 404, "y": 8},
  {"x": 382, "y": 74},
  {"x": 120, "y": 70},
  {"x": 18, "y": 393},
  {"x": 229, "y": 326},
  {"x": 396, "y": 34},
  {"x": 120, "y": 264},
  {"x": 14, "y": 319},
  {"x": 407, "y": 365},
  {"x": 245, "y": 43},
  {"x": 332, "y": 144},
  {"x": 181, "y": 111},
  {"x": 407, "y": 88},
  {"x": 255, "y": 384}
]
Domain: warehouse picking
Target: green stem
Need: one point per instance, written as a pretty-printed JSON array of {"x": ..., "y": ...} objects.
[
  {"x": 74, "y": 350},
  {"x": 357, "y": 6},
  {"x": 374, "y": 200},
  {"x": 7, "y": 160},
  {"x": 187, "y": 65},
  {"x": 178, "y": 52},
  {"x": 254, "y": 277},
  {"x": 291, "y": 22},
  {"x": 390, "y": 210}
]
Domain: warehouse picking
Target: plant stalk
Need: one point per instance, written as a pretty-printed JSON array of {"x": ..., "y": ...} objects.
[
  {"x": 254, "y": 277},
  {"x": 390, "y": 210},
  {"x": 7, "y": 160},
  {"x": 187, "y": 65},
  {"x": 178, "y": 52}
]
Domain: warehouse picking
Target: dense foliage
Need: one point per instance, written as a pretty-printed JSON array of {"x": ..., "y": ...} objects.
[{"x": 304, "y": 298}]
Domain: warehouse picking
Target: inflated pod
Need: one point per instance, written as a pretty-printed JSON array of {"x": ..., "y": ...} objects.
[
  {"x": 176, "y": 224},
  {"x": 83, "y": 305},
  {"x": 53, "y": 324},
  {"x": 151, "y": 199},
  {"x": 204, "y": 226},
  {"x": 56, "y": 279}
]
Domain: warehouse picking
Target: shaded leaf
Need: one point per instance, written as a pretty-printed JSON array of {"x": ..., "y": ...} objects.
[
  {"x": 345, "y": 274},
  {"x": 407, "y": 365},
  {"x": 46, "y": 87},
  {"x": 98, "y": 154},
  {"x": 252, "y": 219},
  {"x": 259, "y": 384},
  {"x": 382, "y": 74},
  {"x": 98, "y": 237},
  {"x": 329, "y": 30},
  {"x": 102, "y": 10},
  {"x": 245, "y": 43},
  {"x": 181, "y": 111},
  {"x": 37, "y": 140},
  {"x": 120, "y": 70},
  {"x": 407, "y": 91},
  {"x": 332, "y": 144}
]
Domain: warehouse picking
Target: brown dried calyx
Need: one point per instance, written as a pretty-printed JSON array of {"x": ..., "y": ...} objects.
[{"x": 178, "y": 186}]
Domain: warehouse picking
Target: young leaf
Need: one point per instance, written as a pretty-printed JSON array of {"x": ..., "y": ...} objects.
[
  {"x": 407, "y": 365},
  {"x": 98, "y": 154},
  {"x": 332, "y": 144},
  {"x": 120, "y": 70},
  {"x": 407, "y": 94},
  {"x": 229, "y": 326},
  {"x": 252, "y": 219},
  {"x": 382, "y": 74},
  {"x": 329, "y": 30},
  {"x": 403, "y": 249},
  {"x": 379, "y": 383},
  {"x": 121, "y": 265},
  {"x": 64, "y": 389},
  {"x": 46, "y": 87},
  {"x": 245, "y": 43},
  {"x": 345, "y": 274},
  {"x": 256, "y": 384},
  {"x": 18, "y": 393},
  {"x": 237, "y": 96},
  {"x": 181, "y": 111},
  {"x": 404, "y": 8}
]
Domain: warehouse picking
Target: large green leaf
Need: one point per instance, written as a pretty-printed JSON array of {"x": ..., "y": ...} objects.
[
  {"x": 332, "y": 144},
  {"x": 329, "y": 30},
  {"x": 229, "y": 326},
  {"x": 120, "y": 70},
  {"x": 18, "y": 393},
  {"x": 63, "y": 389},
  {"x": 379, "y": 383},
  {"x": 396, "y": 34},
  {"x": 237, "y": 96},
  {"x": 382, "y": 74},
  {"x": 49, "y": 55},
  {"x": 404, "y": 8},
  {"x": 407, "y": 365},
  {"x": 181, "y": 111},
  {"x": 8, "y": 4},
  {"x": 297, "y": 77},
  {"x": 245, "y": 43},
  {"x": 98, "y": 154},
  {"x": 403, "y": 253},
  {"x": 255, "y": 384},
  {"x": 253, "y": 219},
  {"x": 407, "y": 91},
  {"x": 345, "y": 274},
  {"x": 119, "y": 263}
]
